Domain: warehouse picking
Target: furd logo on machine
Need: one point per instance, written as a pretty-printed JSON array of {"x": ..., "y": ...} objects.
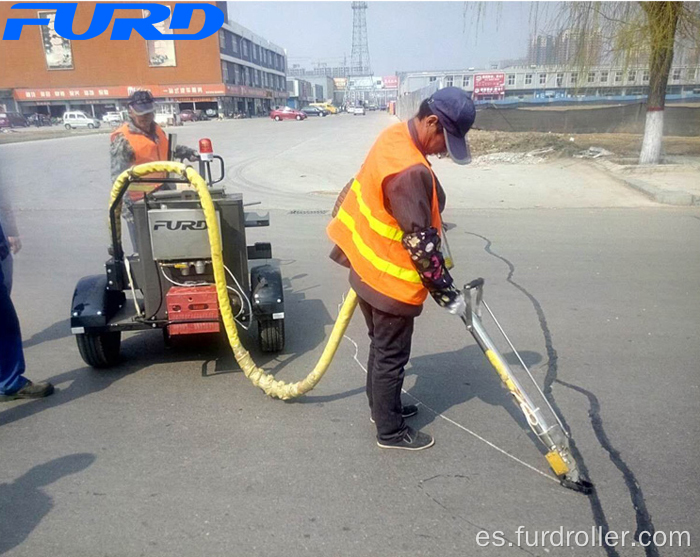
[
  {"x": 123, "y": 26},
  {"x": 180, "y": 224}
]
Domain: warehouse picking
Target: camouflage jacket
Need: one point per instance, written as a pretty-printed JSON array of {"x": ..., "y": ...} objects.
[{"x": 121, "y": 154}]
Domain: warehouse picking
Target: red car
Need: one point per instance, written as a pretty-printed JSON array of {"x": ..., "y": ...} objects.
[
  {"x": 287, "y": 113},
  {"x": 188, "y": 115}
]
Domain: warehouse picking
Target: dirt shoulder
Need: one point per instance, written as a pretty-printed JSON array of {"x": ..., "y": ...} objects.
[{"x": 562, "y": 145}]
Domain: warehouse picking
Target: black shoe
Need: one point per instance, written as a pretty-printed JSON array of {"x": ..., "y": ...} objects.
[
  {"x": 412, "y": 440},
  {"x": 31, "y": 390},
  {"x": 406, "y": 412}
]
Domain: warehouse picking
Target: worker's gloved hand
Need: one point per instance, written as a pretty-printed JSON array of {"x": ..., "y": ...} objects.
[
  {"x": 458, "y": 306},
  {"x": 185, "y": 153},
  {"x": 15, "y": 244}
]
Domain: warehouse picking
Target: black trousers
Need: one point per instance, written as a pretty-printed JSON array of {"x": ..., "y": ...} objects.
[{"x": 389, "y": 351}]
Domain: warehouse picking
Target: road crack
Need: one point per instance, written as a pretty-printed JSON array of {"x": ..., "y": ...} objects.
[{"x": 643, "y": 517}]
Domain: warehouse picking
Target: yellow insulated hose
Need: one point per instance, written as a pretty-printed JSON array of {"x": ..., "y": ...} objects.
[{"x": 271, "y": 386}]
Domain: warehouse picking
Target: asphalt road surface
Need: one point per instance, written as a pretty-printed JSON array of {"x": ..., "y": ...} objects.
[{"x": 174, "y": 452}]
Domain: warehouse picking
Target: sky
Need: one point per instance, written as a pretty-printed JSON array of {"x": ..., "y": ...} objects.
[{"x": 402, "y": 36}]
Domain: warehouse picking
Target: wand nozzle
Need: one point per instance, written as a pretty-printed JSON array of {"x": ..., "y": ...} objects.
[{"x": 542, "y": 418}]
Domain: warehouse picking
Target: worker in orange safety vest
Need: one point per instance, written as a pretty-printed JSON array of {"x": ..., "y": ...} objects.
[
  {"x": 140, "y": 140},
  {"x": 387, "y": 228}
]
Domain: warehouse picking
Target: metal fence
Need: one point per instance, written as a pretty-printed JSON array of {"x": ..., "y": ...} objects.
[
  {"x": 407, "y": 105},
  {"x": 628, "y": 118},
  {"x": 568, "y": 117}
]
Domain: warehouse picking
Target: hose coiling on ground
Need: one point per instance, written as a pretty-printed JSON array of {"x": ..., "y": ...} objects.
[{"x": 270, "y": 385}]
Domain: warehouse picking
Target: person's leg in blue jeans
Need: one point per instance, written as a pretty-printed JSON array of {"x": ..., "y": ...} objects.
[
  {"x": 13, "y": 384},
  {"x": 11, "y": 354},
  {"x": 6, "y": 269}
]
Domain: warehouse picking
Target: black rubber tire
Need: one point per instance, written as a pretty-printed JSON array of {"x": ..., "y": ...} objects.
[
  {"x": 271, "y": 335},
  {"x": 91, "y": 126},
  {"x": 277, "y": 118},
  {"x": 99, "y": 350},
  {"x": 298, "y": 118},
  {"x": 67, "y": 126}
]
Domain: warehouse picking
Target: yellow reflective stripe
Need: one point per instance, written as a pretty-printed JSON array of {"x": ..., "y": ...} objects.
[
  {"x": 375, "y": 224},
  {"x": 409, "y": 275}
]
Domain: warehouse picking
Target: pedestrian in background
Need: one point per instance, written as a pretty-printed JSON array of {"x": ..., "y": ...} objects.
[{"x": 13, "y": 384}]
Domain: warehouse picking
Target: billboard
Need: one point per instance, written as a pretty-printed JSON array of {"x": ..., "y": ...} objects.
[
  {"x": 361, "y": 82},
  {"x": 57, "y": 50},
  {"x": 390, "y": 82},
  {"x": 161, "y": 53},
  {"x": 489, "y": 83}
]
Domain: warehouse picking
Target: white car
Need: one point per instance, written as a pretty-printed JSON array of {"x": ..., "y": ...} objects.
[
  {"x": 112, "y": 118},
  {"x": 78, "y": 119},
  {"x": 358, "y": 111}
]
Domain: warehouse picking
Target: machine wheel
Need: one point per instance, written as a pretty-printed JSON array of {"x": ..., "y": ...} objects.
[
  {"x": 277, "y": 118},
  {"x": 67, "y": 126},
  {"x": 298, "y": 117},
  {"x": 99, "y": 350},
  {"x": 271, "y": 335},
  {"x": 91, "y": 126}
]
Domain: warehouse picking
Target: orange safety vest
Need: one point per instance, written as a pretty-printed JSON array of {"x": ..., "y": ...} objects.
[
  {"x": 145, "y": 150},
  {"x": 368, "y": 235}
]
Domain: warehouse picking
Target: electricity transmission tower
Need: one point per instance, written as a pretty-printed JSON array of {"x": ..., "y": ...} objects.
[{"x": 359, "y": 59}]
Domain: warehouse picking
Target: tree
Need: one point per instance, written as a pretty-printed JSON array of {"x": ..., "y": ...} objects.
[
  {"x": 638, "y": 33},
  {"x": 630, "y": 33}
]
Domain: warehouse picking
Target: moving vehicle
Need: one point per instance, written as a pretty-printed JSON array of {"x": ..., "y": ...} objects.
[
  {"x": 78, "y": 119},
  {"x": 38, "y": 119},
  {"x": 326, "y": 106},
  {"x": 314, "y": 111},
  {"x": 287, "y": 113},
  {"x": 358, "y": 111},
  {"x": 12, "y": 120},
  {"x": 168, "y": 283}
]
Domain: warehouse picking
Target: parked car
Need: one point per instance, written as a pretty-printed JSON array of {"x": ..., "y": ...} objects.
[
  {"x": 37, "y": 119},
  {"x": 189, "y": 115},
  {"x": 12, "y": 120},
  {"x": 358, "y": 111},
  {"x": 78, "y": 119},
  {"x": 287, "y": 113},
  {"x": 112, "y": 118},
  {"x": 314, "y": 111}
]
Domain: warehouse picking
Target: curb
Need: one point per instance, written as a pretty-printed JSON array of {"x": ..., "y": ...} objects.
[
  {"x": 659, "y": 195},
  {"x": 667, "y": 197}
]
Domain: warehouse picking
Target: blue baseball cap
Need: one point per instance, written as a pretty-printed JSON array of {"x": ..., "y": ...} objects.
[
  {"x": 141, "y": 102},
  {"x": 456, "y": 113}
]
